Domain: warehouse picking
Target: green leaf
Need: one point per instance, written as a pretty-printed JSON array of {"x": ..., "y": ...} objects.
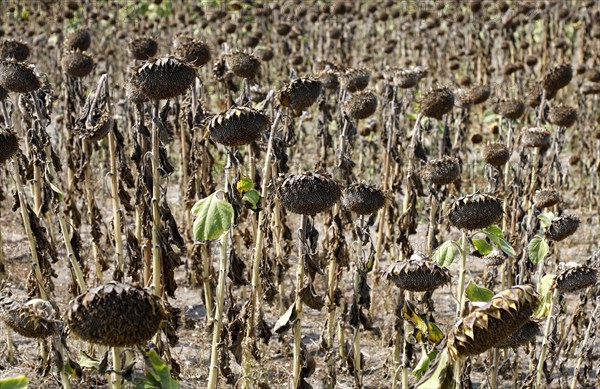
[
  {"x": 19, "y": 382},
  {"x": 86, "y": 361},
  {"x": 537, "y": 249},
  {"x": 435, "y": 335},
  {"x": 162, "y": 371},
  {"x": 253, "y": 197},
  {"x": 244, "y": 184},
  {"x": 441, "y": 376},
  {"x": 213, "y": 217},
  {"x": 445, "y": 253},
  {"x": 495, "y": 234},
  {"x": 416, "y": 320},
  {"x": 482, "y": 246},
  {"x": 423, "y": 364},
  {"x": 544, "y": 289},
  {"x": 546, "y": 218},
  {"x": 478, "y": 293}
]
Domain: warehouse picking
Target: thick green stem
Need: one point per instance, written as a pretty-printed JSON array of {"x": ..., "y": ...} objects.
[
  {"x": 207, "y": 272},
  {"x": 297, "y": 329}
]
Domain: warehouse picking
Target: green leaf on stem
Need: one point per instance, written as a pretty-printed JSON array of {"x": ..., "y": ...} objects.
[
  {"x": 423, "y": 364},
  {"x": 545, "y": 289},
  {"x": 59, "y": 195},
  {"x": 478, "y": 293},
  {"x": 482, "y": 246},
  {"x": 244, "y": 184},
  {"x": 423, "y": 327},
  {"x": 158, "y": 374},
  {"x": 546, "y": 218},
  {"x": 440, "y": 375},
  {"x": 19, "y": 382},
  {"x": 537, "y": 249},
  {"x": 445, "y": 253},
  {"x": 213, "y": 217},
  {"x": 253, "y": 197},
  {"x": 495, "y": 234}
]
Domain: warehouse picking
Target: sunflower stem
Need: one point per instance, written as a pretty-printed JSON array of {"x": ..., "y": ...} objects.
[
  {"x": 464, "y": 246},
  {"x": 299, "y": 285},
  {"x": 586, "y": 339},
  {"x": 544, "y": 349},
  {"x": 115, "y": 378},
  {"x": 156, "y": 261}
]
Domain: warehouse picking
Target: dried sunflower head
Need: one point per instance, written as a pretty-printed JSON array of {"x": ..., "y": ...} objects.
[
  {"x": 36, "y": 318},
  {"x": 524, "y": 335},
  {"x": 237, "y": 126},
  {"x": 562, "y": 227},
  {"x": 562, "y": 115},
  {"x": 14, "y": 49},
  {"x": 18, "y": 77},
  {"x": 356, "y": 79},
  {"x": 116, "y": 315},
  {"x": 576, "y": 278},
  {"x": 475, "y": 211},
  {"x": 309, "y": 193},
  {"x": 79, "y": 39},
  {"x": 243, "y": 64},
  {"x": 143, "y": 49},
  {"x": 493, "y": 322},
  {"x": 557, "y": 78},
  {"x": 545, "y": 198},
  {"x": 362, "y": 199},
  {"x": 9, "y": 145},
  {"x": 77, "y": 64},
  {"x": 192, "y": 51},
  {"x": 442, "y": 171},
  {"x": 361, "y": 105},
  {"x": 417, "y": 275},
  {"x": 536, "y": 137},
  {"x": 437, "y": 102},
  {"x": 496, "y": 154},
  {"x": 163, "y": 78},
  {"x": 300, "y": 94}
]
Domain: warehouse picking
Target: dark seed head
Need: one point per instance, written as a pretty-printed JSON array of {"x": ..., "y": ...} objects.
[
  {"x": 79, "y": 39},
  {"x": 362, "y": 199},
  {"x": 536, "y": 137},
  {"x": 417, "y": 275},
  {"x": 493, "y": 322},
  {"x": 329, "y": 79},
  {"x": 9, "y": 145},
  {"x": 192, "y": 51},
  {"x": 545, "y": 198},
  {"x": 237, "y": 126},
  {"x": 437, "y": 102},
  {"x": 300, "y": 94},
  {"x": 116, "y": 315},
  {"x": 496, "y": 154},
  {"x": 562, "y": 227},
  {"x": 557, "y": 78},
  {"x": 405, "y": 79},
  {"x": 17, "y": 77},
  {"x": 475, "y": 211},
  {"x": 361, "y": 105},
  {"x": 243, "y": 64},
  {"x": 13, "y": 49},
  {"x": 511, "y": 108},
  {"x": 524, "y": 335},
  {"x": 562, "y": 115},
  {"x": 100, "y": 129},
  {"x": 77, "y": 64},
  {"x": 143, "y": 49},
  {"x": 576, "y": 278},
  {"x": 36, "y": 318},
  {"x": 475, "y": 95},
  {"x": 442, "y": 171},
  {"x": 356, "y": 79},
  {"x": 495, "y": 258},
  {"x": 163, "y": 78},
  {"x": 309, "y": 193}
]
